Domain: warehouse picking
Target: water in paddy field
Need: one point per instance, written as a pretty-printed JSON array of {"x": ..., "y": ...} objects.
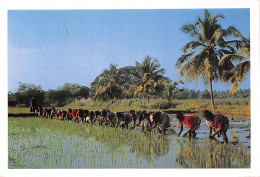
[{"x": 39, "y": 143}]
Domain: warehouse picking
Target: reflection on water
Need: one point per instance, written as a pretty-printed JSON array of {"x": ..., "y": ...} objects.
[
  {"x": 151, "y": 147},
  {"x": 148, "y": 146},
  {"x": 37, "y": 143},
  {"x": 214, "y": 155}
]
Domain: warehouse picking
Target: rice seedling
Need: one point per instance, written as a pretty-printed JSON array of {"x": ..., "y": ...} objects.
[{"x": 45, "y": 143}]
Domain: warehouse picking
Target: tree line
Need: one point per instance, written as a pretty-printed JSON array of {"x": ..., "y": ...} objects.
[
  {"x": 68, "y": 93},
  {"x": 57, "y": 97}
]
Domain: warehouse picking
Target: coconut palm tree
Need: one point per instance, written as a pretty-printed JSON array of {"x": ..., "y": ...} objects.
[
  {"x": 201, "y": 55},
  {"x": 108, "y": 84},
  {"x": 149, "y": 77},
  {"x": 238, "y": 72}
]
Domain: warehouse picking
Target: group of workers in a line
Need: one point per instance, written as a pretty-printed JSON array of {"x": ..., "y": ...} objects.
[{"x": 218, "y": 124}]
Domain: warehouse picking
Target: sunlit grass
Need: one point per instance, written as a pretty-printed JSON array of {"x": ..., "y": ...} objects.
[
  {"x": 17, "y": 110},
  {"x": 237, "y": 108}
]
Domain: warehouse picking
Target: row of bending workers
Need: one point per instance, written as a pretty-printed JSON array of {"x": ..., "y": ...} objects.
[{"x": 218, "y": 124}]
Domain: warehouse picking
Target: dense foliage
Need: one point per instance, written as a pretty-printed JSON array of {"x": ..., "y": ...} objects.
[
  {"x": 63, "y": 96},
  {"x": 59, "y": 97},
  {"x": 192, "y": 94}
]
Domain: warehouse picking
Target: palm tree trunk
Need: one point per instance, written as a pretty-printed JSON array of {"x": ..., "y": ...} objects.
[
  {"x": 147, "y": 96},
  {"x": 211, "y": 95}
]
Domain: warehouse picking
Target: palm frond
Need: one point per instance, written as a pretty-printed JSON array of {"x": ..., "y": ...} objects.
[
  {"x": 183, "y": 59},
  {"x": 244, "y": 51},
  {"x": 230, "y": 31},
  {"x": 230, "y": 58},
  {"x": 192, "y": 46},
  {"x": 190, "y": 29}
]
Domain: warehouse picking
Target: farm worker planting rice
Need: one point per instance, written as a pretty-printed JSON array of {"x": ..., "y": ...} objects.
[
  {"x": 91, "y": 116},
  {"x": 132, "y": 114},
  {"x": 161, "y": 120},
  {"x": 103, "y": 114},
  {"x": 80, "y": 115},
  {"x": 64, "y": 114},
  {"x": 123, "y": 119},
  {"x": 74, "y": 114},
  {"x": 218, "y": 123},
  {"x": 192, "y": 121},
  {"x": 59, "y": 115},
  {"x": 110, "y": 119},
  {"x": 69, "y": 114},
  {"x": 47, "y": 113},
  {"x": 142, "y": 116},
  {"x": 40, "y": 111}
]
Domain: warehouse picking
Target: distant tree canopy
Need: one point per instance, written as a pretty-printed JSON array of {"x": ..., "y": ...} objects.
[
  {"x": 26, "y": 91},
  {"x": 60, "y": 97},
  {"x": 66, "y": 94},
  {"x": 192, "y": 94}
]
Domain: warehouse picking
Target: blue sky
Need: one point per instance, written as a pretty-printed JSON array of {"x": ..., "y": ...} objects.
[{"x": 53, "y": 47}]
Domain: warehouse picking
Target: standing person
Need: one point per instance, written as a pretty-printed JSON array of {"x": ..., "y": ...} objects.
[
  {"x": 142, "y": 116},
  {"x": 218, "y": 123},
  {"x": 53, "y": 112},
  {"x": 161, "y": 120},
  {"x": 192, "y": 121},
  {"x": 32, "y": 104}
]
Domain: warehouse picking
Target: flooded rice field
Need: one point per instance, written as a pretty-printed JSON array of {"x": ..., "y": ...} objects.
[
  {"x": 51, "y": 144},
  {"x": 238, "y": 132}
]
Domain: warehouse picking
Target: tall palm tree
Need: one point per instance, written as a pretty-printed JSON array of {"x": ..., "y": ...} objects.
[
  {"x": 108, "y": 84},
  {"x": 238, "y": 72},
  {"x": 201, "y": 55},
  {"x": 149, "y": 77}
]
